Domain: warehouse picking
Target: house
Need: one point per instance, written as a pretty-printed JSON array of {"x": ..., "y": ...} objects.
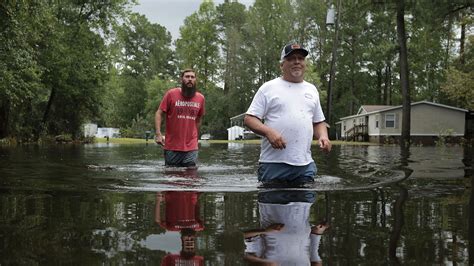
[
  {"x": 235, "y": 132},
  {"x": 238, "y": 130},
  {"x": 383, "y": 123},
  {"x": 90, "y": 129},
  {"x": 104, "y": 132}
]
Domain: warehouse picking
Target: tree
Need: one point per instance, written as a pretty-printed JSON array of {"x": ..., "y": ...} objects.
[
  {"x": 19, "y": 70},
  {"x": 143, "y": 54},
  {"x": 459, "y": 85},
  {"x": 59, "y": 78},
  {"x": 270, "y": 27},
  {"x": 404, "y": 78},
  {"x": 74, "y": 55},
  {"x": 198, "y": 46}
]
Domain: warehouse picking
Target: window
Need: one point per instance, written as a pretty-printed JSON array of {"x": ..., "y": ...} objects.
[
  {"x": 390, "y": 120},
  {"x": 376, "y": 123}
]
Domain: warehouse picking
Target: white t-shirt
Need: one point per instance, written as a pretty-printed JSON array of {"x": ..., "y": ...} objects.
[
  {"x": 291, "y": 109},
  {"x": 294, "y": 244}
]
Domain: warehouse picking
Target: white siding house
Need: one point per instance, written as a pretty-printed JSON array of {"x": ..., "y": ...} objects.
[{"x": 382, "y": 123}]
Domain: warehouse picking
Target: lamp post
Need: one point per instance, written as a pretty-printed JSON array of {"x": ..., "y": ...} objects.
[{"x": 332, "y": 20}]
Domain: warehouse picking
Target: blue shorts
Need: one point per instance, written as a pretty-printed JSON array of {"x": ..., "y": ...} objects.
[
  {"x": 181, "y": 158},
  {"x": 286, "y": 196},
  {"x": 282, "y": 172}
]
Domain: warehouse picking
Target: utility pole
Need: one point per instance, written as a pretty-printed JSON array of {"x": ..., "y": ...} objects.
[{"x": 331, "y": 20}]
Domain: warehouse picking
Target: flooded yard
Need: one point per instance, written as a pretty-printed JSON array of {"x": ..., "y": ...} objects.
[{"x": 117, "y": 204}]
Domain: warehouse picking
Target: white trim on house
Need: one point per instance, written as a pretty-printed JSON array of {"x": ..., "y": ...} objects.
[{"x": 417, "y": 134}]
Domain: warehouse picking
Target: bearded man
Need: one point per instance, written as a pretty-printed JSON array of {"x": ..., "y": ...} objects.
[{"x": 183, "y": 108}]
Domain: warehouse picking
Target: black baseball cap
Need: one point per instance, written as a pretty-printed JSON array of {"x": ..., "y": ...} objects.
[{"x": 290, "y": 48}]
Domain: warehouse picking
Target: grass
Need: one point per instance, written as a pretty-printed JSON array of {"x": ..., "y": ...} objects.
[{"x": 215, "y": 141}]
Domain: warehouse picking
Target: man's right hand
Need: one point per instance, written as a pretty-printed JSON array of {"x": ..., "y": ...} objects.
[
  {"x": 274, "y": 228},
  {"x": 275, "y": 139},
  {"x": 159, "y": 139}
]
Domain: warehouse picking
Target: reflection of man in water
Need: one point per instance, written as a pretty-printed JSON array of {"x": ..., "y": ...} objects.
[
  {"x": 286, "y": 237},
  {"x": 181, "y": 213}
]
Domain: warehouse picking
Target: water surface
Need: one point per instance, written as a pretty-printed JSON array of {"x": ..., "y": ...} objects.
[{"x": 98, "y": 204}]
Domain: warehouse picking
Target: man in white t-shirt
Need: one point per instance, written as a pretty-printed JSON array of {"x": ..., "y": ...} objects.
[{"x": 292, "y": 115}]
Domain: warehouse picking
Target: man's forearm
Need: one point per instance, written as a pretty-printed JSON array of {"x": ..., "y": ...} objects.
[
  {"x": 158, "y": 119},
  {"x": 198, "y": 123},
  {"x": 254, "y": 124},
  {"x": 255, "y": 232},
  {"x": 320, "y": 130}
]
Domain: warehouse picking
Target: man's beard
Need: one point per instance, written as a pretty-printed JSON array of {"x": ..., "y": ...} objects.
[{"x": 188, "y": 91}]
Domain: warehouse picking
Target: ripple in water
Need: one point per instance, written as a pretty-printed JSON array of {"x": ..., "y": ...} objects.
[{"x": 235, "y": 178}]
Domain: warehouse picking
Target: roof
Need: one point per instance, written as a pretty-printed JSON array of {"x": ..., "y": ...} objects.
[
  {"x": 240, "y": 116},
  {"x": 372, "y": 108},
  {"x": 389, "y": 108}
]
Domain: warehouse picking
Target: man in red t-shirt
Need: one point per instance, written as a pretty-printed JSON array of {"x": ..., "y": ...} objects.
[{"x": 184, "y": 108}]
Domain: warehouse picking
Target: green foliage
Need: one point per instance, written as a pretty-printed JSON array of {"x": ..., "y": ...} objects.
[
  {"x": 68, "y": 62},
  {"x": 137, "y": 128},
  {"x": 53, "y": 65},
  {"x": 459, "y": 85},
  {"x": 198, "y": 46},
  {"x": 460, "y": 88},
  {"x": 143, "y": 52},
  {"x": 444, "y": 136}
]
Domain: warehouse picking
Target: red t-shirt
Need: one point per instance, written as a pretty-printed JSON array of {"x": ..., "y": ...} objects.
[
  {"x": 182, "y": 211},
  {"x": 175, "y": 259},
  {"x": 181, "y": 114}
]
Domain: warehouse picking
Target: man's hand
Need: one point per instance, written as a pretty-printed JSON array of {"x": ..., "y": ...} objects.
[
  {"x": 159, "y": 139},
  {"x": 325, "y": 144},
  {"x": 273, "y": 136},
  {"x": 319, "y": 229},
  {"x": 274, "y": 228},
  {"x": 275, "y": 139}
]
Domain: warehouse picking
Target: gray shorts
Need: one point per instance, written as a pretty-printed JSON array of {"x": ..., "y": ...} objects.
[{"x": 181, "y": 158}]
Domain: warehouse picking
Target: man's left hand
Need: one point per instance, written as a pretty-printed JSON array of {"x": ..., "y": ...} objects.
[{"x": 325, "y": 144}]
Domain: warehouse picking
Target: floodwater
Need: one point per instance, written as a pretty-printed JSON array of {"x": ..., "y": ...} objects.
[{"x": 107, "y": 204}]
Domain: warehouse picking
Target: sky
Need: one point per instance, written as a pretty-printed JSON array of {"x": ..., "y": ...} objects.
[{"x": 171, "y": 13}]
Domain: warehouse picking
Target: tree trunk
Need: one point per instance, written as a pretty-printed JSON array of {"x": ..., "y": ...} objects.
[
  {"x": 353, "y": 89},
  {"x": 462, "y": 39},
  {"x": 387, "y": 95},
  {"x": 404, "y": 81},
  {"x": 46, "y": 111},
  {"x": 380, "y": 92},
  {"x": 4, "y": 115}
]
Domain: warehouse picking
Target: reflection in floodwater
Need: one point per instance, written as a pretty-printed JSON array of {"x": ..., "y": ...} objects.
[
  {"x": 235, "y": 146},
  {"x": 58, "y": 211},
  {"x": 181, "y": 213},
  {"x": 398, "y": 223},
  {"x": 286, "y": 236},
  {"x": 178, "y": 211}
]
